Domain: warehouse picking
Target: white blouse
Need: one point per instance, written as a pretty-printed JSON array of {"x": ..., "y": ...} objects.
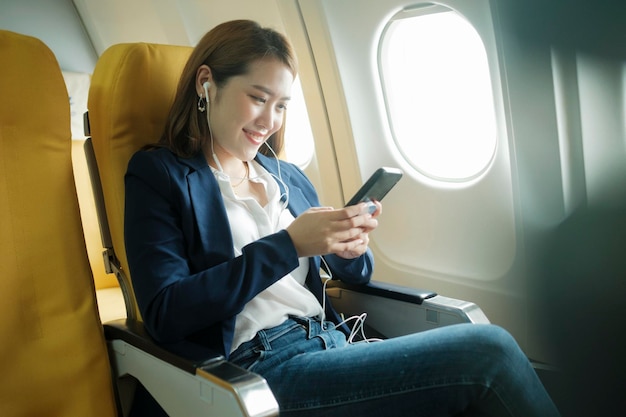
[{"x": 249, "y": 222}]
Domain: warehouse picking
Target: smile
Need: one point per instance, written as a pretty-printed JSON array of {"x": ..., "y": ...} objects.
[{"x": 256, "y": 137}]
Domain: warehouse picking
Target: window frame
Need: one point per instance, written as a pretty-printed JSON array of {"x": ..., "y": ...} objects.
[{"x": 424, "y": 9}]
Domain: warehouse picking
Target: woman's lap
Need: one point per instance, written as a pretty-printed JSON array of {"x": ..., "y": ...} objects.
[{"x": 444, "y": 371}]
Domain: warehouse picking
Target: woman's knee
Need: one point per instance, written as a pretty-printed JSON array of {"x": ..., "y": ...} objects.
[
  {"x": 494, "y": 341},
  {"x": 492, "y": 333}
]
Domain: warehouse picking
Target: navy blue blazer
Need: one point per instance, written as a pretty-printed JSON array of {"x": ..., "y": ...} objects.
[{"x": 188, "y": 283}]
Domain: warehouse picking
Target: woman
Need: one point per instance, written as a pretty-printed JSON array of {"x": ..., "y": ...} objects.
[{"x": 225, "y": 245}]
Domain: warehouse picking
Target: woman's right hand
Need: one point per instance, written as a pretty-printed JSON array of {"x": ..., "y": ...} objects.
[{"x": 324, "y": 230}]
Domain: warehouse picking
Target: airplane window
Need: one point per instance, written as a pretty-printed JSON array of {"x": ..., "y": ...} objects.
[
  {"x": 438, "y": 93},
  {"x": 299, "y": 145}
]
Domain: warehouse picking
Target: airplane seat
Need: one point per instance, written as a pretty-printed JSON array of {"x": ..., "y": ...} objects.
[
  {"x": 127, "y": 105},
  {"x": 53, "y": 353},
  {"x": 132, "y": 88}
]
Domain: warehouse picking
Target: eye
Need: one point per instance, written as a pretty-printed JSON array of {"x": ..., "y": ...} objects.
[{"x": 260, "y": 100}]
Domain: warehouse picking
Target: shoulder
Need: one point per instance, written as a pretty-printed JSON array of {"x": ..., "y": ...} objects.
[
  {"x": 160, "y": 161},
  {"x": 163, "y": 172}
]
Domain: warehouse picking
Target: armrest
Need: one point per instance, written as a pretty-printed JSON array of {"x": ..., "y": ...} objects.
[
  {"x": 134, "y": 333},
  {"x": 382, "y": 289},
  {"x": 394, "y": 310},
  {"x": 202, "y": 384}
]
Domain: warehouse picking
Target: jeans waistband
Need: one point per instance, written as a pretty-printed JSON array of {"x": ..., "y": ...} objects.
[
  {"x": 310, "y": 326},
  {"x": 313, "y": 325}
]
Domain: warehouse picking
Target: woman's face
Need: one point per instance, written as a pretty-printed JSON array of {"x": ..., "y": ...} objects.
[{"x": 248, "y": 109}]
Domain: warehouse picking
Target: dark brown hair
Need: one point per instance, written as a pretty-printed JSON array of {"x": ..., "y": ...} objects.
[{"x": 228, "y": 50}]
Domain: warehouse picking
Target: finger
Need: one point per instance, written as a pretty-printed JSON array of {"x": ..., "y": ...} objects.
[
  {"x": 369, "y": 225},
  {"x": 355, "y": 221},
  {"x": 353, "y": 250},
  {"x": 317, "y": 209},
  {"x": 364, "y": 238},
  {"x": 379, "y": 208},
  {"x": 348, "y": 235},
  {"x": 347, "y": 246},
  {"x": 355, "y": 210}
]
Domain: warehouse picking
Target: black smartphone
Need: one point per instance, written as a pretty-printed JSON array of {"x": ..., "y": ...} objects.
[{"x": 377, "y": 186}]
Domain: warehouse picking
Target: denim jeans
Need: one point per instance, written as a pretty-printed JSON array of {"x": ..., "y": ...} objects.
[{"x": 466, "y": 369}]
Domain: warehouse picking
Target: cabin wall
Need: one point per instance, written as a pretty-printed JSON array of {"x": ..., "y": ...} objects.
[{"x": 57, "y": 24}]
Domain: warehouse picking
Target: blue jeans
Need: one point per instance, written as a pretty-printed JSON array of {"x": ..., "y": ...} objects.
[{"x": 467, "y": 369}]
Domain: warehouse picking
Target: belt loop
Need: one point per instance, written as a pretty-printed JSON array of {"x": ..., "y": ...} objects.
[
  {"x": 311, "y": 329},
  {"x": 262, "y": 335},
  {"x": 307, "y": 323}
]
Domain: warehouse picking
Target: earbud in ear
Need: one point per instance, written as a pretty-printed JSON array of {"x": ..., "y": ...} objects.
[
  {"x": 203, "y": 106},
  {"x": 206, "y": 86}
]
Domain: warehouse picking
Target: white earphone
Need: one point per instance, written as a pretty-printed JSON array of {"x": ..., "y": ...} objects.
[{"x": 206, "y": 86}]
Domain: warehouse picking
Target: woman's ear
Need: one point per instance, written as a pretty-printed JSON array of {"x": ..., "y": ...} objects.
[{"x": 203, "y": 75}]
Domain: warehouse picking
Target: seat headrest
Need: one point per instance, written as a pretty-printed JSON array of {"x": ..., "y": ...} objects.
[
  {"x": 33, "y": 92},
  {"x": 132, "y": 88}
]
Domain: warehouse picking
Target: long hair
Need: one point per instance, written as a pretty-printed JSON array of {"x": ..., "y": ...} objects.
[{"x": 228, "y": 49}]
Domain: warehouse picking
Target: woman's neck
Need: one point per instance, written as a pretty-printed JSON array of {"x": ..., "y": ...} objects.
[{"x": 234, "y": 167}]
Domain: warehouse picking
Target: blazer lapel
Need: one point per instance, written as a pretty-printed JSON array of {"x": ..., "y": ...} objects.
[{"x": 207, "y": 207}]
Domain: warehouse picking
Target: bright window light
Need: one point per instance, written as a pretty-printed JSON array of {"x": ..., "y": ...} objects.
[
  {"x": 438, "y": 95},
  {"x": 299, "y": 145}
]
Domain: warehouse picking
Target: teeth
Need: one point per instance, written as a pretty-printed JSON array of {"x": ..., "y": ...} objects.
[{"x": 256, "y": 136}]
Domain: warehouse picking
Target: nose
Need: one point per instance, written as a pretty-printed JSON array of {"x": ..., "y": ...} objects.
[{"x": 270, "y": 119}]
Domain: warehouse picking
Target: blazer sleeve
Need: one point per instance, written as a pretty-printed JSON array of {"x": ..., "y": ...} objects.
[
  {"x": 163, "y": 246},
  {"x": 352, "y": 271}
]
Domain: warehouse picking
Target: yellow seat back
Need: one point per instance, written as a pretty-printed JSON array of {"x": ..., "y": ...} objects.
[
  {"x": 131, "y": 91},
  {"x": 53, "y": 354}
]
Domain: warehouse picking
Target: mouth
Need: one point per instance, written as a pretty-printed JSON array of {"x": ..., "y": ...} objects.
[{"x": 255, "y": 137}]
